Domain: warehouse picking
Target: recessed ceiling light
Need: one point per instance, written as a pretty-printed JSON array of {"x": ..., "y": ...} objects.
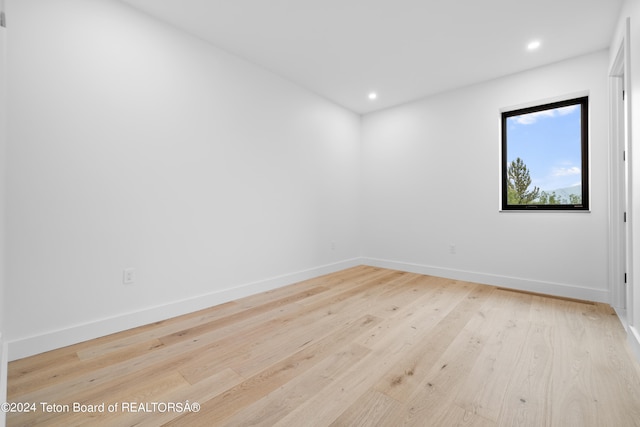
[
  {"x": 533, "y": 45},
  {"x": 373, "y": 95}
]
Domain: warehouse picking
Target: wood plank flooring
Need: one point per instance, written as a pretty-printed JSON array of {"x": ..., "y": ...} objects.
[{"x": 361, "y": 347}]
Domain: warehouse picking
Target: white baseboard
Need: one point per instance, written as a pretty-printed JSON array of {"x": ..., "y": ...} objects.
[
  {"x": 550, "y": 288},
  {"x": 622, "y": 317},
  {"x": 633, "y": 336},
  {"x": 29, "y": 346}
]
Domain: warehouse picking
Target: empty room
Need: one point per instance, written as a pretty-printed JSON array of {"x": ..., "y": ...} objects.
[{"x": 320, "y": 213}]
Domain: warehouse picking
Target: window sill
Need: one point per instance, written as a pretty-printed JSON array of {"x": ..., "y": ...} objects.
[{"x": 576, "y": 211}]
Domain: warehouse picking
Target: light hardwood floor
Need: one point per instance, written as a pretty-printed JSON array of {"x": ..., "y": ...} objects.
[{"x": 361, "y": 347}]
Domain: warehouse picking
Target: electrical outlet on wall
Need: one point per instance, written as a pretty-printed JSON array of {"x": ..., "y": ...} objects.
[
  {"x": 129, "y": 276},
  {"x": 452, "y": 249}
]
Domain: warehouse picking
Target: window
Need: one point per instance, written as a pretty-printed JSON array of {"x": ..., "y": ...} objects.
[{"x": 545, "y": 157}]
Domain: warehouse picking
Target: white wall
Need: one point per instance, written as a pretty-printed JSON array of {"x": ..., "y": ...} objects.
[
  {"x": 3, "y": 146},
  {"x": 431, "y": 174},
  {"x": 631, "y": 9},
  {"x": 134, "y": 145}
]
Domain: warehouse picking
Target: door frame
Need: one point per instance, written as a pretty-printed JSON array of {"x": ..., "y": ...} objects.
[{"x": 620, "y": 183}]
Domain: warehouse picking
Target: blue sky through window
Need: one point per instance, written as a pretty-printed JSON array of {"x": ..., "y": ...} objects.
[{"x": 548, "y": 142}]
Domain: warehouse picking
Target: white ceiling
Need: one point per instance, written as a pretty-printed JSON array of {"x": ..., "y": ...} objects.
[{"x": 401, "y": 49}]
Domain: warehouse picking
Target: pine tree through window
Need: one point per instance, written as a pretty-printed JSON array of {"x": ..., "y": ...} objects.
[{"x": 545, "y": 157}]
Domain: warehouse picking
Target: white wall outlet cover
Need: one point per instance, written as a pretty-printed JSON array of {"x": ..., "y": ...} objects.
[{"x": 129, "y": 276}]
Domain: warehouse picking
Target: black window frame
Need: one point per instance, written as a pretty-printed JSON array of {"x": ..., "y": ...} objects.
[{"x": 583, "y": 101}]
